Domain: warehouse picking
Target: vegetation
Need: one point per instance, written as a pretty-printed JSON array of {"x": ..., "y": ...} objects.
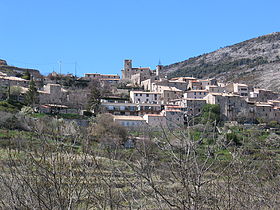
[
  {"x": 211, "y": 69},
  {"x": 10, "y": 106},
  {"x": 32, "y": 95},
  {"x": 55, "y": 164},
  {"x": 26, "y": 75},
  {"x": 94, "y": 101},
  {"x": 210, "y": 113}
]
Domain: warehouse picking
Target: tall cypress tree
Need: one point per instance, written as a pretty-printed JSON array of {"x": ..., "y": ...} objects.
[
  {"x": 32, "y": 95},
  {"x": 94, "y": 100}
]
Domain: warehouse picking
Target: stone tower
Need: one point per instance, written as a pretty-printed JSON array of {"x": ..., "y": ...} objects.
[
  {"x": 126, "y": 72},
  {"x": 127, "y": 64}
]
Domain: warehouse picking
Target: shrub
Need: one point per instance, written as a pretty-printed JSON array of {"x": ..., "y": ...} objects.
[
  {"x": 233, "y": 138},
  {"x": 104, "y": 129}
]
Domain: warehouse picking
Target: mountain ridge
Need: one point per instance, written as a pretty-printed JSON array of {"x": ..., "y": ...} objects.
[{"x": 255, "y": 62}]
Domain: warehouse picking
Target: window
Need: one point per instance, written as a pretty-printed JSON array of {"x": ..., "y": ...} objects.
[
  {"x": 199, "y": 93},
  {"x": 140, "y": 94},
  {"x": 136, "y": 94},
  {"x": 147, "y": 95},
  {"x": 194, "y": 93}
]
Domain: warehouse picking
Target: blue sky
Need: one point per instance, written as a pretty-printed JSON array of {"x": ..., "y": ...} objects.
[{"x": 99, "y": 34}]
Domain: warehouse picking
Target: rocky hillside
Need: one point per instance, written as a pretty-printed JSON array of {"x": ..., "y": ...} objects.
[
  {"x": 255, "y": 61},
  {"x": 16, "y": 71}
]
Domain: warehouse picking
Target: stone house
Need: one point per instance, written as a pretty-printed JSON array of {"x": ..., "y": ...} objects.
[
  {"x": 6, "y": 81},
  {"x": 215, "y": 89},
  {"x": 126, "y": 108},
  {"x": 155, "y": 120},
  {"x": 168, "y": 93},
  {"x": 174, "y": 118},
  {"x": 192, "y": 107},
  {"x": 101, "y": 76},
  {"x": 232, "y": 106},
  {"x": 196, "y": 94},
  {"x": 129, "y": 121},
  {"x": 105, "y": 79},
  {"x": 145, "y": 97},
  {"x": 265, "y": 112},
  {"x": 237, "y": 88},
  {"x": 201, "y": 84},
  {"x": 181, "y": 85},
  {"x": 261, "y": 95},
  {"x": 53, "y": 94}
]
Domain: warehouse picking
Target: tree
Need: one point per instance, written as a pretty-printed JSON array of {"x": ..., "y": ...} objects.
[
  {"x": 210, "y": 113},
  {"x": 15, "y": 92},
  {"x": 108, "y": 132},
  {"x": 32, "y": 95},
  {"x": 94, "y": 101},
  {"x": 26, "y": 75}
]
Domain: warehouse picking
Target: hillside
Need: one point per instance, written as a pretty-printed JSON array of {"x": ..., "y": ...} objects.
[
  {"x": 17, "y": 71},
  {"x": 255, "y": 61}
]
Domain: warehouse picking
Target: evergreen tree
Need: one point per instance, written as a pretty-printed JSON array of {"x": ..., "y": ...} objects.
[
  {"x": 32, "y": 95},
  {"x": 94, "y": 100}
]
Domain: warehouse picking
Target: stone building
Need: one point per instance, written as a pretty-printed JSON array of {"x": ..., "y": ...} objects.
[
  {"x": 129, "y": 121},
  {"x": 192, "y": 107},
  {"x": 181, "y": 85},
  {"x": 6, "y": 81},
  {"x": 201, "y": 84},
  {"x": 155, "y": 120},
  {"x": 237, "y": 88},
  {"x": 142, "y": 73},
  {"x": 232, "y": 106},
  {"x": 145, "y": 97},
  {"x": 53, "y": 94},
  {"x": 108, "y": 79},
  {"x": 261, "y": 95},
  {"x": 196, "y": 94},
  {"x": 126, "y": 108}
]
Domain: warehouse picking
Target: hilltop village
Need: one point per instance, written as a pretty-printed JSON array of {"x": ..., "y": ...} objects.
[{"x": 143, "y": 96}]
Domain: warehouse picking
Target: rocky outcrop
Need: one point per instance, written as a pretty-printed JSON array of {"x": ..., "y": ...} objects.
[
  {"x": 17, "y": 71},
  {"x": 3, "y": 62}
]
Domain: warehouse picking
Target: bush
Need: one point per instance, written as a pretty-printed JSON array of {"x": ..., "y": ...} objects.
[
  {"x": 273, "y": 124},
  {"x": 210, "y": 113},
  {"x": 105, "y": 129},
  {"x": 232, "y": 137}
]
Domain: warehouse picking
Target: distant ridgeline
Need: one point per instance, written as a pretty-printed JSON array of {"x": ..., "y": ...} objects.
[
  {"x": 17, "y": 71},
  {"x": 255, "y": 61},
  {"x": 3, "y": 62}
]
